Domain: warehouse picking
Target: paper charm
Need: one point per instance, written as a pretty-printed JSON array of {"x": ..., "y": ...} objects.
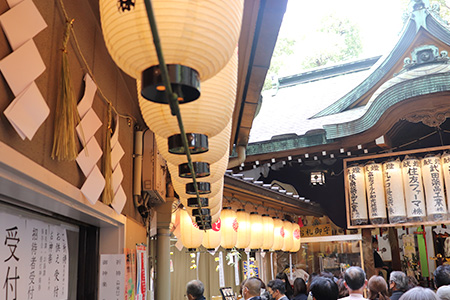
[
  {"x": 119, "y": 200},
  {"x": 12, "y": 3},
  {"x": 117, "y": 178},
  {"x": 21, "y": 23},
  {"x": 27, "y": 112},
  {"x": 93, "y": 186},
  {"x": 88, "y": 98},
  {"x": 89, "y": 156},
  {"x": 22, "y": 67},
  {"x": 88, "y": 126}
]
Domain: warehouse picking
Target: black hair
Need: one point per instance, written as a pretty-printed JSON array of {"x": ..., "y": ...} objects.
[
  {"x": 355, "y": 277},
  {"x": 323, "y": 288}
]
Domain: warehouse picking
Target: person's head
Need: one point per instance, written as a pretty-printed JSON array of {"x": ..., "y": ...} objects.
[
  {"x": 355, "y": 278},
  {"x": 343, "y": 292},
  {"x": 323, "y": 288},
  {"x": 442, "y": 276},
  {"x": 194, "y": 289},
  {"x": 398, "y": 281},
  {"x": 251, "y": 288},
  {"x": 374, "y": 243},
  {"x": 282, "y": 276},
  {"x": 443, "y": 292},
  {"x": 299, "y": 286},
  {"x": 276, "y": 288},
  {"x": 377, "y": 288},
  {"x": 419, "y": 293}
]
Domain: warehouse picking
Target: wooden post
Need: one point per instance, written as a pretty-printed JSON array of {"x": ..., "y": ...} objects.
[
  {"x": 369, "y": 265},
  {"x": 395, "y": 250}
]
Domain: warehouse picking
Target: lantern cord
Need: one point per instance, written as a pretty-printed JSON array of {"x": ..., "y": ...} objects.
[
  {"x": 172, "y": 98},
  {"x": 86, "y": 65}
]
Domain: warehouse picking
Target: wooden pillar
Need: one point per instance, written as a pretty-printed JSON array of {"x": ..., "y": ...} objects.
[
  {"x": 395, "y": 250},
  {"x": 369, "y": 265}
]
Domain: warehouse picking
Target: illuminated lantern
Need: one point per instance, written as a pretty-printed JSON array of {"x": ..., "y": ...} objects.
[
  {"x": 445, "y": 162},
  {"x": 191, "y": 236},
  {"x": 413, "y": 187},
  {"x": 393, "y": 185},
  {"x": 278, "y": 234},
  {"x": 244, "y": 229},
  {"x": 197, "y": 38},
  {"x": 376, "y": 200},
  {"x": 433, "y": 183},
  {"x": 205, "y": 188},
  {"x": 256, "y": 239},
  {"x": 357, "y": 195},
  {"x": 268, "y": 235},
  {"x": 230, "y": 227},
  {"x": 213, "y": 237},
  {"x": 296, "y": 237},
  {"x": 288, "y": 240}
]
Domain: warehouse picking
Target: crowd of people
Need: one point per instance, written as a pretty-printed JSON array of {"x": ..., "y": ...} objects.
[{"x": 352, "y": 286}]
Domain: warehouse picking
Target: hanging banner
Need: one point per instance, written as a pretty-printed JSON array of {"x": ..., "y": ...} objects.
[
  {"x": 221, "y": 271},
  {"x": 141, "y": 282},
  {"x": 317, "y": 230},
  {"x": 34, "y": 259}
]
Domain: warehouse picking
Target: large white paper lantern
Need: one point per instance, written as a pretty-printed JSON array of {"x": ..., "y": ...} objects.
[
  {"x": 229, "y": 229},
  {"x": 256, "y": 239},
  {"x": 357, "y": 195},
  {"x": 376, "y": 200},
  {"x": 413, "y": 187},
  {"x": 278, "y": 234},
  {"x": 288, "y": 240},
  {"x": 216, "y": 102},
  {"x": 244, "y": 229},
  {"x": 199, "y": 36},
  {"x": 393, "y": 185},
  {"x": 445, "y": 162},
  {"x": 433, "y": 183},
  {"x": 215, "y": 188},
  {"x": 213, "y": 237},
  {"x": 191, "y": 236},
  {"x": 295, "y": 237},
  {"x": 268, "y": 236}
]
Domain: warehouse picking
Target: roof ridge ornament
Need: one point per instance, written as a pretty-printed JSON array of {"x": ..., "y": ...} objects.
[
  {"x": 418, "y": 5},
  {"x": 426, "y": 54}
]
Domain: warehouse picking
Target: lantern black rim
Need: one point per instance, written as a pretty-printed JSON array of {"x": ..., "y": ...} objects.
[
  {"x": 185, "y": 82},
  {"x": 201, "y": 169},
  {"x": 201, "y": 212},
  {"x": 197, "y": 143},
  {"x": 203, "y": 188},
  {"x": 194, "y": 202}
]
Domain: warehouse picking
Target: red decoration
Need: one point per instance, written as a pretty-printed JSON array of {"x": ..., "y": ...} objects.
[
  {"x": 282, "y": 232},
  {"x": 216, "y": 226},
  {"x": 235, "y": 225},
  {"x": 296, "y": 234}
]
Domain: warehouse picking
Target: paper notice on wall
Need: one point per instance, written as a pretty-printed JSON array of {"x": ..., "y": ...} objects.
[
  {"x": 112, "y": 277},
  {"x": 130, "y": 274},
  {"x": 34, "y": 259}
]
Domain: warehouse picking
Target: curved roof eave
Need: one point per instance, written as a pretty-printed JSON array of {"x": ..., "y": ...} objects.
[
  {"x": 421, "y": 86},
  {"x": 430, "y": 23}
]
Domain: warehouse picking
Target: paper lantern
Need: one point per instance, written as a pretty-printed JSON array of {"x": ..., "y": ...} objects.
[
  {"x": 197, "y": 38},
  {"x": 218, "y": 147},
  {"x": 288, "y": 239},
  {"x": 244, "y": 229},
  {"x": 213, "y": 237},
  {"x": 393, "y": 185},
  {"x": 433, "y": 183},
  {"x": 376, "y": 200},
  {"x": 413, "y": 187},
  {"x": 295, "y": 237},
  {"x": 357, "y": 195},
  {"x": 445, "y": 162},
  {"x": 256, "y": 239},
  {"x": 278, "y": 234},
  {"x": 230, "y": 227},
  {"x": 191, "y": 236},
  {"x": 187, "y": 191},
  {"x": 268, "y": 235},
  {"x": 216, "y": 102}
]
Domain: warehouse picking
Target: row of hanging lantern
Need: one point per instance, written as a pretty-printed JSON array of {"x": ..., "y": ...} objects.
[
  {"x": 399, "y": 191},
  {"x": 241, "y": 230},
  {"x": 197, "y": 51}
]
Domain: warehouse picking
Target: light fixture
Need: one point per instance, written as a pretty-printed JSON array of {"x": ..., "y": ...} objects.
[
  {"x": 376, "y": 200},
  {"x": 191, "y": 236},
  {"x": 230, "y": 227},
  {"x": 288, "y": 241},
  {"x": 256, "y": 239},
  {"x": 244, "y": 229},
  {"x": 434, "y": 188},
  {"x": 296, "y": 242},
  {"x": 413, "y": 187},
  {"x": 213, "y": 237},
  {"x": 193, "y": 51},
  {"x": 357, "y": 195},
  {"x": 393, "y": 185},
  {"x": 207, "y": 189},
  {"x": 267, "y": 232},
  {"x": 278, "y": 234},
  {"x": 317, "y": 178}
]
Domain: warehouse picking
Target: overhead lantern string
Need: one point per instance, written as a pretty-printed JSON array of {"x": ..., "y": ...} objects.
[
  {"x": 108, "y": 194},
  {"x": 66, "y": 113}
]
